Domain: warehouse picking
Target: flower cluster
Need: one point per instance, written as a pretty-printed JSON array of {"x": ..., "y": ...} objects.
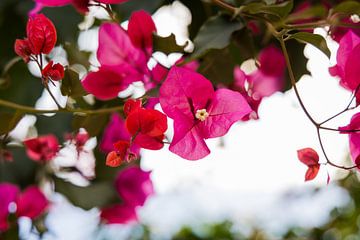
[
  {"x": 41, "y": 39},
  {"x": 134, "y": 187},
  {"x": 145, "y": 127},
  {"x": 31, "y": 203}
]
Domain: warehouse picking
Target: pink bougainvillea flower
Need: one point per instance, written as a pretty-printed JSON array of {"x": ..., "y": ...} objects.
[
  {"x": 338, "y": 32},
  {"x": 114, "y": 132},
  {"x": 8, "y": 194},
  {"x": 43, "y": 148},
  {"x": 147, "y": 126},
  {"x": 134, "y": 187},
  {"x": 132, "y": 105},
  {"x": 140, "y": 30},
  {"x": 31, "y": 203},
  {"x": 310, "y": 158},
  {"x": 54, "y": 72},
  {"x": 263, "y": 82},
  {"x": 22, "y": 49},
  {"x": 121, "y": 153},
  {"x": 80, "y": 5},
  {"x": 41, "y": 37},
  {"x": 198, "y": 111},
  {"x": 354, "y": 137},
  {"x": 41, "y": 34},
  {"x": 348, "y": 64},
  {"x": 119, "y": 214},
  {"x": 303, "y": 12},
  {"x": 123, "y": 56}
]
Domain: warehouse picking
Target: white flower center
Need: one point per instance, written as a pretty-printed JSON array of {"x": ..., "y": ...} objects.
[{"x": 201, "y": 114}]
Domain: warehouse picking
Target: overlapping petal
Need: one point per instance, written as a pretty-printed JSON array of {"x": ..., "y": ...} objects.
[
  {"x": 116, "y": 48},
  {"x": 31, "y": 203},
  {"x": 185, "y": 94},
  {"x": 226, "y": 108},
  {"x": 141, "y": 28},
  {"x": 134, "y": 186},
  {"x": 184, "y": 91},
  {"x": 8, "y": 194}
]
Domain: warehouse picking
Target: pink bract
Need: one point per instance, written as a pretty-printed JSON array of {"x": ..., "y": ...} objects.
[
  {"x": 31, "y": 203},
  {"x": 123, "y": 56},
  {"x": 354, "y": 137},
  {"x": 348, "y": 65},
  {"x": 263, "y": 82},
  {"x": 8, "y": 194},
  {"x": 134, "y": 186},
  {"x": 198, "y": 111},
  {"x": 42, "y": 148},
  {"x": 119, "y": 214},
  {"x": 114, "y": 132},
  {"x": 141, "y": 28}
]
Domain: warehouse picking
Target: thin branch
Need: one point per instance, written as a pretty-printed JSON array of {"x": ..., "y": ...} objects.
[
  {"x": 225, "y": 5},
  {"x": 52, "y": 95},
  {"x": 326, "y": 157},
  {"x": 293, "y": 80},
  {"x": 31, "y": 110}
]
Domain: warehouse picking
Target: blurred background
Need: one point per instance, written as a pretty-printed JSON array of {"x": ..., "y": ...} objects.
[{"x": 250, "y": 187}]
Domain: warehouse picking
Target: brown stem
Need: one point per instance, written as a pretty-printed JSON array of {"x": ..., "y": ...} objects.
[
  {"x": 326, "y": 157},
  {"x": 225, "y": 5},
  {"x": 293, "y": 80},
  {"x": 31, "y": 110}
]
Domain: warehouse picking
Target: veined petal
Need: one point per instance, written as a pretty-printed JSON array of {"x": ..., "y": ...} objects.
[
  {"x": 352, "y": 68},
  {"x": 116, "y": 48},
  {"x": 141, "y": 28},
  {"x": 226, "y": 108},
  {"x": 106, "y": 83},
  {"x": 188, "y": 142},
  {"x": 184, "y": 91}
]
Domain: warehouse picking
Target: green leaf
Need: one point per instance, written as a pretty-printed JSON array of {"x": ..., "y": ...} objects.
[
  {"x": 218, "y": 66},
  {"x": 215, "y": 34},
  {"x": 75, "y": 56},
  {"x": 93, "y": 124},
  {"x": 97, "y": 194},
  {"x": 71, "y": 85},
  {"x": 8, "y": 121},
  {"x": 312, "y": 12},
  {"x": 313, "y": 39},
  {"x": 298, "y": 61},
  {"x": 167, "y": 45},
  {"x": 348, "y": 7},
  {"x": 280, "y": 10}
]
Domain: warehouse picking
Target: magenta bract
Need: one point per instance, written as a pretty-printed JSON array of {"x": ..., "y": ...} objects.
[{"x": 198, "y": 111}]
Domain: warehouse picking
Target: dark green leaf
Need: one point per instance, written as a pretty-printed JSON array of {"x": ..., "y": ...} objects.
[
  {"x": 298, "y": 61},
  {"x": 312, "y": 12},
  {"x": 218, "y": 66},
  {"x": 167, "y": 45},
  {"x": 93, "y": 124},
  {"x": 313, "y": 39},
  {"x": 280, "y": 10},
  {"x": 96, "y": 195},
  {"x": 75, "y": 56},
  {"x": 215, "y": 34},
  {"x": 71, "y": 85},
  {"x": 348, "y": 7},
  {"x": 20, "y": 86},
  {"x": 8, "y": 121}
]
